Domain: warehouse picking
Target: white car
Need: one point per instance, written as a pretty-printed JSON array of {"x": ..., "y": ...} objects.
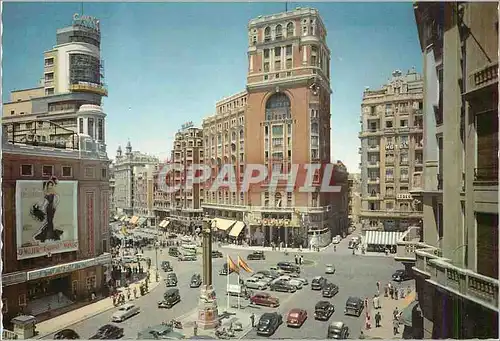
[
  {"x": 337, "y": 239},
  {"x": 124, "y": 312},
  {"x": 255, "y": 283},
  {"x": 330, "y": 269},
  {"x": 277, "y": 270},
  {"x": 263, "y": 278},
  {"x": 292, "y": 281},
  {"x": 297, "y": 277}
]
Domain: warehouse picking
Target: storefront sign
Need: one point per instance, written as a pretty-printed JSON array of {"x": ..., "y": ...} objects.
[
  {"x": 90, "y": 222},
  {"x": 69, "y": 267},
  {"x": 46, "y": 217},
  {"x": 14, "y": 278},
  {"x": 86, "y": 21},
  {"x": 187, "y": 125}
]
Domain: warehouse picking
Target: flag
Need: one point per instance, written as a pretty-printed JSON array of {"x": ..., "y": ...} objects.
[
  {"x": 231, "y": 266},
  {"x": 242, "y": 264}
]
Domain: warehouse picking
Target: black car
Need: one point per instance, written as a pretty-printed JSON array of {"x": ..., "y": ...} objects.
[
  {"x": 171, "y": 280},
  {"x": 282, "y": 286},
  {"x": 318, "y": 283},
  {"x": 108, "y": 332},
  {"x": 170, "y": 298},
  {"x": 401, "y": 276},
  {"x": 166, "y": 266},
  {"x": 289, "y": 267},
  {"x": 66, "y": 334},
  {"x": 225, "y": 271},
  {"x": 268, "y": 323},
  {"x": 256, "y": 255},
  {"x": 173, "y": 251},
  {"x": 354, "y": 306},
  {"x": 195, "y": 281},
  {"x": 330, "y": 290},
  {"x": 323, "y": 310},
  {"x": 217, "y": 254}
]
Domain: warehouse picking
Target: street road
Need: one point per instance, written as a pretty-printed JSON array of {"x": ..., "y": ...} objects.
[{"x": 355, "y": 276}]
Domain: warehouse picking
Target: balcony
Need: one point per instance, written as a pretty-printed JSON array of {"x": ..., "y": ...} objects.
[
  {"x": 373, "y": 164},
  {"x": 374, "y": 148},
  {"x": 389, "y": 162},
  {"x": 483, "y": 78},
  {"x": 373, "y": 180},
  {"x": 99, "y": 89},
  {"x": 373, "y": 196},
  {"x": 439, "y": 271},
  {"x": 389, "y": 179},
  {"x": 392, "y": 213},
  {"x": 404, "y": 178}
]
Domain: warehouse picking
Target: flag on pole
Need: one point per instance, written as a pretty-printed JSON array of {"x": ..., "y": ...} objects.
[
  {"x": 242, "y": 264},
  {"x": 231, "y": 266}
]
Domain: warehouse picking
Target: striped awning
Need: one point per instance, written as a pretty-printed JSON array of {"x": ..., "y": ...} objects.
[
  {"x": 237, "y": 228},
  {"x": 382, "y": 237},
  {"x": 222, "y": 224},
  {"x": 141, "y": 221},
  {"x": 164, "y": 223},
  {"x": 134, "y": 220}
]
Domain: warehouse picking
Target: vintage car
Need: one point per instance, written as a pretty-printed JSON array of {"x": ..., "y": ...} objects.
[
  {"x": 297, "y": 277},
  {"x": 187, "y": 258},
  {"x": 108, "y": 332},
  {"x": 329, "y": 269},
  {"x": 195, "y": 281},
  {"x": 281, "y": 285},
  {"x": 173, "y": 251},
  {"x": 276, "y": 271},
  {"x": 263, "y": 278},
  {"x": 166, "y": 266},
  {"x": 269, "y": 273},
  {"x": 256, "y": 255},
  {"x": 323, "y": 310},
  {"x": 265, "y": 299},
  {"x": 159, "y": 332},
  {"x": 354, "y": 306},
  {"x": 170, "y": 298},
  {"x": 255, "y": 283},
  {"x": 217, "y": 254},
  {"x": 296, "y": 317},
  {"x": 401, "y": 276},
  {"x": 318, "y": 283},
  {"x": 330, "y": 290},
  {"x": 288, "y": 267},
  {"x": 292, "y": 281},
  {"x": 338, "y": 331},
  {"x": 171, "y": 280},
  {"x": 66, "y": 334},
  {"x": 337, "y": 239},
  {"x": 124, "y": 312},
  {"x": 224, "y": 271},
  {"x": 268, "y": 323}
]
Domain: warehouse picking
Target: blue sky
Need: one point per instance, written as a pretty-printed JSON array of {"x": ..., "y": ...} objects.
[{"x": 168, "y": 63}]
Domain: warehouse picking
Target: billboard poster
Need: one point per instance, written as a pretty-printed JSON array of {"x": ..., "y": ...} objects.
[{"x": 46, "y": 217}]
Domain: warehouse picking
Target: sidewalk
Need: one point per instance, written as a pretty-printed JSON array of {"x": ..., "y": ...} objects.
[
  {"x": 57, "y": 323},
  {"x": 385, "y": 331},
  {"x": 270, "y": 249}
]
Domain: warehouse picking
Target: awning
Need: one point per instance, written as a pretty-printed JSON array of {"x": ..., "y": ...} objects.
[
  {"x": 237, "y": 228},
  {"x": 141, "y": 221},
  {"x": 222, "y": 224},
  {"x": 164, "y": 223},
  {"x": 134, "y": 220},
  {"x": 407, "y": 314},
  {"x": 123, "y": 218},
  {"x": 382, "y": 237}
]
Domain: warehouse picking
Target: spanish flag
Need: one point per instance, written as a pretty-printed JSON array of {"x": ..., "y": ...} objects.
[
  {"x": 242, "y": 264},
  {"x": 231, "y": 265}
]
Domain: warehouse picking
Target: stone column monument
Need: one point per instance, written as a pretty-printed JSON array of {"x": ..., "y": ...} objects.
[{"x": 207, "y": 304}]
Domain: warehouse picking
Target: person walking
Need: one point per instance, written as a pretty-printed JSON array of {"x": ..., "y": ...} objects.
[
  {"x": 301, "y": 260},
  {"x": 296, "y": 260},
  {"x": 378, "y": 317},
  {"x": 395, "y": 326},
  {"x": 195, "y": 328},
  {"x": 395, "y": 312},
  {"x": 252, "y": 319}
]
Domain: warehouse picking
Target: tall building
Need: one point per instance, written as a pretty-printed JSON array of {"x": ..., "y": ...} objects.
[
  {"x": 455, "y": 255},
  {"x": 125, "y": 168},
  {"x": 391, "y": 153},
  {"x": 282, "y": 118},
  {"x": 55, "y": 185},
  {"x": 112, "y": 208},
  {"x": 354, "y": 195},
  {"x": 143, "y": 196}
]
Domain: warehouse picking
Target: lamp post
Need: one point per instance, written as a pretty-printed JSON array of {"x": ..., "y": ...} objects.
[{"x": 207, "y": 304}]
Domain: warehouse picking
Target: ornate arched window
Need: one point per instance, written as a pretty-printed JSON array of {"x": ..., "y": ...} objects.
[
  {"x": 278, "y": 100},
  {"x": 267, "y": 33},
  {"x": 289, "y": 29},
  {"x": 279, "y": 31}
]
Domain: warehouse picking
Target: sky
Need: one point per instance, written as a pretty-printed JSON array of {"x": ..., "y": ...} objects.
[{"x": 168, "y": 63}]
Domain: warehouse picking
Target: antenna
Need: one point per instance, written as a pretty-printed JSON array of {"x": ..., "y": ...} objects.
[
  {"x": 82, "y": 8},
  {"x": 286, "y": 6}
]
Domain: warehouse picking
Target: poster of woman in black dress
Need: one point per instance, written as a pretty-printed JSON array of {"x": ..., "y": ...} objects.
[{"x": 45, "y": 212}]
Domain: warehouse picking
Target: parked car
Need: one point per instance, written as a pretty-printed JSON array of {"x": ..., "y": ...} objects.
[
  {"x": 292, "y": 281},
  {"x": 173, "y": 251},
  {"x": 281, "y": 285},
  {"x": 124, "y": 312},
  {"x": 337, "y": 239},
  {"x": 217, "y": 254},
  {"x": 323, "y": 310},
  {"x": 170, "y": 298},
  {"x": 318, "y": 283},
  {"x": 187, "y": 258},
  {"x": 66, "y": 334},
  {"x": 108, "y": 332},
  {"x": 195, "y": 281},
  {"x": 265, "y": 299},
  {"x": 171, "y": 280},
  {"x": 338, "y": 331},
  {"x": 296, "y": 317},
  {"x": 262, "y": 278},
  {"x": 354, "y": 306},
  {"x": 269, "y": 273},
  {"x": 330, "y": 290},
  {"x": 330, "y": 269},
  {"x": 159, "y": 332},
  {"x": 401, "y": 276},
  {"x": 276, "y": 271},
  {"x": 255, "y": 283},
  {"x": 297, "y": 277},
  {"x": 166, "y": 266},
  {"x": 256, "y": 255},
  {"x": 288, "y": 267},
  {"x": 225, "y": 270},
  {"x": 268, "y": 323}
]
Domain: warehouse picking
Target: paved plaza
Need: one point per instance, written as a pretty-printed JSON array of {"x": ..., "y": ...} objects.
[{"x": 356, "y": 275}]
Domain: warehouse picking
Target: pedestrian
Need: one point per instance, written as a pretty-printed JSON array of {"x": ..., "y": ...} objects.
[
  {"x": 395, "y": 312},
  {"x": 366, "y": 303},
  {"x": 395, "y": 326},
  {"x": 368, "y": 325},
  {"x": 296, "y": 260},
  {"x": 378, "y": 286},
  {"x": 301, "y": 260},
  {"x": 195, "y": 328},
  {"x": 378, "y": 317},
  {"x": 252, "y": 319},
  {"x": 375, "y": 302}
]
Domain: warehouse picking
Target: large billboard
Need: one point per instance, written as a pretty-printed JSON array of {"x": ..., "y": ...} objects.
[{"x": 46, "y": 217}]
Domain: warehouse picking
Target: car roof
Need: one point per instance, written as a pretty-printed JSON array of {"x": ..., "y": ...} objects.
[
  {"x": 171, "y": 290},
  {"x": 127, "y": 305},
  {"x": 353, "y": 299},
  {"x": 322, "y": 303},
  {"x": 295, "y": 310},
  {"x": 268, "y": 315},
  {"x": 337, "y": 324},
  {"x": 318, "y": 277}
]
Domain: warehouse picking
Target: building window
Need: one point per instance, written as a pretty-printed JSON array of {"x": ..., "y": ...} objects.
[
  {"x": 104, "y": 173},
  {"x": 49, "y": 91},
  {"x": 100, "y": 130},
  {"x": 104, "y": 245},
  {"x": 388, "y": 124},
  {"x": 487, "y": 244},
  {"x": 266, "y": 67},
  {"x": 278, "y": 32},
  {"x": 389, "y": 205},
  {"x": 26, "y": 170},
  {"x": 47, "y": 170},
  {"x": 67, "y": 171},
  {"x": 289, "y": 50},
  {"x": 49, "y": 76},
  {"x": 90, "y": 127},
  {"x": 277, "y": 51},
  {"x": 49, "y": 61},
  {"x": 80, "y": 124},
  {"x": 267, "y": 34},
  {"x": 289, "y": 65},
  {"x": 89, "y": 172},
  {"x": 289, "y": 29},
  {"x": 266, "y": 53}
]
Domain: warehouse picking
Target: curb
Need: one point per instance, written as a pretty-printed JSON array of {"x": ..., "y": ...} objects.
[{"x": 89, "y": 316}]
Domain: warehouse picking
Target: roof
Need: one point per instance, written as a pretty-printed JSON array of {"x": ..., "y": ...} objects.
[
  {"x": 322, "y": 303},
  {"x": 337, "y": 324},
  {"x": 295, "y": 310},
  {"x": 353, "y": 299},
  {"x": 268, "y": 315}
]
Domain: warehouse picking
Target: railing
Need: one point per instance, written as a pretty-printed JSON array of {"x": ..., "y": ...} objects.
[
  {"x": 482, "y": 77},
  {"x": 487, "y": 174},
  {"x": 389, "y": 179},
  {"x": 373, "y": 180},
  {"x": 9, "y": 335},
  {"x": 373, "y": 164}
]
